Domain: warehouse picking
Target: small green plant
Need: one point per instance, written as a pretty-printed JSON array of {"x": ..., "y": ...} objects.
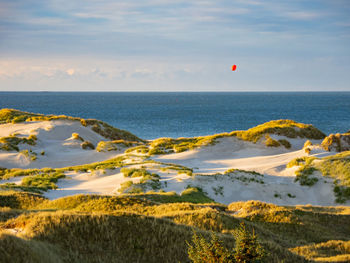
[
  {"x": 218, "y": 190},
  {"x": 307, "y": 144},
  {"x": 303, "y": 176},
  {"x": 87, "y": 145},
  {"x": 285, "y": 143},
  {"x": 291, "y": 195},
  {"x": 42, "y": 182},
  {"x": 247, "y": 248},
  {"x": 211, "y": 251},
  {"x": 277, "y": 195},
  {"x": 76, "y": 136},
  {"x": 269, "y": 142}
]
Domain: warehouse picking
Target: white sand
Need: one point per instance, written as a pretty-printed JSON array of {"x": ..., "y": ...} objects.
[{"x": 54, "y": 138}]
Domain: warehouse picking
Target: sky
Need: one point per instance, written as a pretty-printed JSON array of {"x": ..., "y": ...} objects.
[{"x": 174, "y": 45}]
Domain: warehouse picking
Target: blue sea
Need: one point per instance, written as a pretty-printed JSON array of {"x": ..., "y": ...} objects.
[{"x": 156, "y": 114}]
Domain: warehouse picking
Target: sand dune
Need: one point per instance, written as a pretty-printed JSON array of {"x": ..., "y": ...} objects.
[{"x": 275, "y": 184}]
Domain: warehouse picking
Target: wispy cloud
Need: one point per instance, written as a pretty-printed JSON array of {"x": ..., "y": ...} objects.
[{"x": 191, "y": 41}]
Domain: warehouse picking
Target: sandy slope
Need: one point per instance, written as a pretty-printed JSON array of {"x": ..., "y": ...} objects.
[
  {"x": 278, "y": 182},
  {"x": 276, "y": 185},
  {"x": 54, "y": 138},
  {"x": 235, "y": 153}
]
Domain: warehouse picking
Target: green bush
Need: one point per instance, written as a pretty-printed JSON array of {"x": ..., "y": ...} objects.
[
  {"x": 285, "y": 143},
  {"x": 76, "y": 136},
  {"x": 247, "y": 248},
  {"x": 211, "y": 251},
  {"x": 87, "y": 145},
  {"x": 303, "y": 176},
  {"x": 269, "y": 142},
  {"x": 42, "y": 181}
]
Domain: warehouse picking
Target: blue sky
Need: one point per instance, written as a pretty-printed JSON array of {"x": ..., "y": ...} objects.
[{"x": 174, "y": 45}]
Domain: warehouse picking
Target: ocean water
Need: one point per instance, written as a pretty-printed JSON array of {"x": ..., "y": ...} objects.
[{"x": 153, "y": 115}]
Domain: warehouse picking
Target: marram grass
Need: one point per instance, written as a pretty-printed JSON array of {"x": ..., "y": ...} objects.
[{"x": 131, "y": 228}]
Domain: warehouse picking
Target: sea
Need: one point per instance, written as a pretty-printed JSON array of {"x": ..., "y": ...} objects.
[{"x": 151, "y": 115}]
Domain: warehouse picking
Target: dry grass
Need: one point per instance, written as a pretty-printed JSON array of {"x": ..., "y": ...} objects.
[
  {"x": 107, "y": 146},
  {"x": 10, "y": 143},
  {"x": 336, "y": 166},
  {"x": 100, "y": 127},
  {"x": 133, "y": 228},
  {"x": 288, "y": 128},
  {"x": 337, "y": 142},
  {"x": 330, "y": 251}
]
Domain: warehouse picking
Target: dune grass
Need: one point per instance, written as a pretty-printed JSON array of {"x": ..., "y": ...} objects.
[
  {"x": 330, "y": 251},
  {"x": 107, "y": 146},
  {"x": 136, "y": 228},
  {"x": 36, "y": 183},
  {"x": 337, "y": 142},
  {"x": 76, "y": 136},
  {"x": 336, "y": 166},
  {"x": 86, "y": 145},
  {"x": 10, "y": 143},
  {"x": 100, "y": 127},
  {"x": 288, "y": 128},
  {"x": 147, "y": 181}
]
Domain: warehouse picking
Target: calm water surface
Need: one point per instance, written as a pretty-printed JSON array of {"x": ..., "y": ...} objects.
[{"x": 154, "y": 115}]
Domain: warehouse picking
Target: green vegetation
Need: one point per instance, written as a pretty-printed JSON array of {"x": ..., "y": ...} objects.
[
  {"x": 285, "y": 143},
  {"x": 29, "y": 154},
  {"x": 76, "y": 136},
  {"x": 10, "y": 143},
  {"x": 330, "y": 251},
  {"x": 247, "y": 248},
  {"x": 192, "y": 195},
  {"x": 108, "y": 164},
  {"x": 43, "y": 182},
  {"x": 213, "y": 251},
  {"x": 143, "y": 149},
  {"x": 269, "y": 142},
  {"x": 303, "y": 176},
  {"x": 16, "y": 116},
  {"x": 148, "y": 181},
  {"x": 307, "y": 144},
  {"x": 87, "y": 145},
  {"x": 36, "y": 183},
  {"x": 20, "y": 200},
  {"x": 132, "y": 228},
  {"x": 336, "y": 166},
  {"x": 109, "y": 131},
  {"x": 179, "y": 168},
  {"x": 301, "y": 161},
  {"x": 106, "y": 146},
  {"x": 134, "y": 172},
  {"x": 169, "y": 145},
  {"x": 100, "y": 127},
  {"x": 337, "y": 142},
  {"x": 288, "y": 128}
]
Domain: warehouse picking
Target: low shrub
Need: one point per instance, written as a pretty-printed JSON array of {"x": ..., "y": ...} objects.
[
  {"x": 247, "y": 248},
  {"x": 285, "y": 143},
  {"x": 76, "y": 136},
  {"x": 269, "y": 142},
  {"x": 87, "y": 145}
]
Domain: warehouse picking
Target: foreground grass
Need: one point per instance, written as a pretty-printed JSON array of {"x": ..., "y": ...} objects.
[{"x": 143, "y": 228}]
